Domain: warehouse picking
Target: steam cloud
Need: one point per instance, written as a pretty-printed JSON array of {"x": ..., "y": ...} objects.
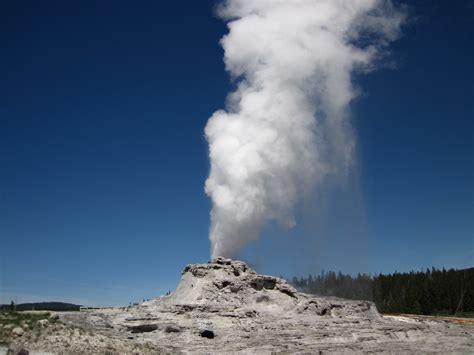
[{"x": 286, "y": 127}]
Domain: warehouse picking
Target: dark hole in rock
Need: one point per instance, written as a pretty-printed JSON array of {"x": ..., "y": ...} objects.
[
  {"x": 143, "y": 328},
  {"x": 222, "y": 261},
  {"x": 199, "y": 272},
  {"x": 288, "y": 292},
  {"x": 236, "y": 273},
  {"x": 269, "y": 284},
  {"x": 223, "y": 284},
  {"x": 323, "y": 311},
  {"x": 207, "y": 334}
]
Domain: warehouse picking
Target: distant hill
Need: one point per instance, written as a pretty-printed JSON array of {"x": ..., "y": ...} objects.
[{"x": 43, "y": 306}]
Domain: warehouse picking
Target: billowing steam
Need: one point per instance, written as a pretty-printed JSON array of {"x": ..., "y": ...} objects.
[{"x": 286, "y": 127}]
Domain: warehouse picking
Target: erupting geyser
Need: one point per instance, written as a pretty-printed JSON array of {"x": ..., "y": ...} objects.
[{"x": 286, "y": 126}]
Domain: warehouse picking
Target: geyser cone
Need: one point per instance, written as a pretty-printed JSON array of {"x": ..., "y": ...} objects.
[{"x": 224, "y": 285}]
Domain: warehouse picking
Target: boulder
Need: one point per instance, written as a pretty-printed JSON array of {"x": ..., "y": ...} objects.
[
  {"x": 18, "y": 331},
  {"x": 43, "y": 323}
]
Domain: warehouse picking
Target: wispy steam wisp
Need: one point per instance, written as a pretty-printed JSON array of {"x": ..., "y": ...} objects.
[{"x": 286, "y": 127}]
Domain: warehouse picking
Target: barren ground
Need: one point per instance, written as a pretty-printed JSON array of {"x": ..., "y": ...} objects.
[{"x": 224, "y": 306}]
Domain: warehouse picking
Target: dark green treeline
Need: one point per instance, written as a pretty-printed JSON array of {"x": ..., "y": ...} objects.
[{"x": 425, "y": 292}]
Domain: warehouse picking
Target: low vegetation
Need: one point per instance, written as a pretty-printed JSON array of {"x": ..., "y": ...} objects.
[
  {"x": 11, "y": 320},
  {"x": 42, "y": 306}
]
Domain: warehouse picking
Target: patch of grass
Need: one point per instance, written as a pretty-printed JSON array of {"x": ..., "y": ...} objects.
[
  {"x": 19, "y": 318},
  {"x": 11, "y": 320}
]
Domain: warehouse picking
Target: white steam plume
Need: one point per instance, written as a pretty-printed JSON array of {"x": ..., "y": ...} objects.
[{"x": 287, "y": 126}]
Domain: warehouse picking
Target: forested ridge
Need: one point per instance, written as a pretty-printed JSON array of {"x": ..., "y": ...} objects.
[
  {"x": 40, "y": 306},
  {"x": 432, "y": 291}
]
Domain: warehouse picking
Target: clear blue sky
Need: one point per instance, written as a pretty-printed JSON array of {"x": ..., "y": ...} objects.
[{"x": 103, "y": 158}]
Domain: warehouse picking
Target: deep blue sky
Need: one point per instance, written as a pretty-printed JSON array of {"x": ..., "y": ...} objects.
[{"x": 103, "y": 158}]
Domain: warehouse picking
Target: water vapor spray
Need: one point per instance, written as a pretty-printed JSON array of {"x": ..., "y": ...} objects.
[{"x": 286, "y": 126}]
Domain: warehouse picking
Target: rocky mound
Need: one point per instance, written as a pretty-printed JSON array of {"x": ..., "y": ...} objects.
[
  {"x": 226, "y": 281},
  {"x": 224, "y": 285}
]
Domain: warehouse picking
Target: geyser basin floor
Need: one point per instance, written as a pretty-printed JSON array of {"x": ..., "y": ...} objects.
[{"x": 225, "y": 306}]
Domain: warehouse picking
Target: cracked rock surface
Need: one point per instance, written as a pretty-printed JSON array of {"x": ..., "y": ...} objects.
[{"x": 225, "y": 306}]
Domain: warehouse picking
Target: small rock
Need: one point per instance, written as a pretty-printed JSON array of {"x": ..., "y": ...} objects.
[
  {"x": 54, "y": 316},
  {"x": 18, "y": 331},
  {"x": 43, "y": 323}
]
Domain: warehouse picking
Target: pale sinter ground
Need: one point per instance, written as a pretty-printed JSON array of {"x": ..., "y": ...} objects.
[{"x": 226, "y": 306}]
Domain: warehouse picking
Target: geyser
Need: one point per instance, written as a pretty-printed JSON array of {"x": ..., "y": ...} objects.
[{"x": 286, "y": 126}]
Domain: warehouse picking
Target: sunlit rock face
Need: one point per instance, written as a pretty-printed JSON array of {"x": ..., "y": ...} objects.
[
  {"x": 225, "y": 285},
  {"x": 228, "y": 282}
]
